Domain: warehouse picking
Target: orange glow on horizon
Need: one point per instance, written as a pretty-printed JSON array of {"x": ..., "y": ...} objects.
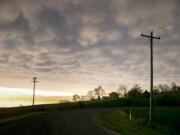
[{"x": 17, "y": 96}]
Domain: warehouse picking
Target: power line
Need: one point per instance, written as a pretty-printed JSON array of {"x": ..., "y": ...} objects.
[{"x": 151, "y": 37}]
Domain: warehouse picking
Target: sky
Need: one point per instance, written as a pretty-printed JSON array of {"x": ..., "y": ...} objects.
[{"x": 73, "y": 46}]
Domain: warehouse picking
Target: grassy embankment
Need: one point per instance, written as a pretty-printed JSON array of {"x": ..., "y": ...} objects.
[
  {"x": 11, "y": 114},
  {"x": 18, "y": 117},
  {"x": 8, "y": 115},
  {"x": 166, "y": 121}
]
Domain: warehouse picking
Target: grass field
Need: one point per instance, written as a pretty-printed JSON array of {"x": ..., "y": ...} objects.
[{"x": 166, "y": 121}]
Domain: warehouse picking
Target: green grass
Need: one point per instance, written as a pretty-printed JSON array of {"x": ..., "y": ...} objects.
[
  {"x": 166, "y": 121},
  {"x": 168, "y": 116}
]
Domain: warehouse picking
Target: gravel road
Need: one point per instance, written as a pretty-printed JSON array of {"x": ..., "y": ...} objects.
[{"x": 75, "y": 122}]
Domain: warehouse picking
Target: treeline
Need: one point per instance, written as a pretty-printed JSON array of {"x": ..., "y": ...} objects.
[
  {"x": 158, "y": 91},
  {"x": 163, "y": 94},
  {"x": 136, "y": 91}
]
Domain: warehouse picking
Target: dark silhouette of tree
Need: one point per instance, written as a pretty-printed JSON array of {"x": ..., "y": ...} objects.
[
  {"x": 76, "y": 97},
  {"x": 173, "y": 86},
  {"x": 156, "y": 90},
  {"x": 145, "y": 94},
  {"x": 178, "y": 88},
  {"x": 99, "y": 91},
  {"x": 90, "y": 94},
  {"x": 122, "y": 90},
  {"x": 163, "y": 87},
  {"x": 135, "y": 92}
]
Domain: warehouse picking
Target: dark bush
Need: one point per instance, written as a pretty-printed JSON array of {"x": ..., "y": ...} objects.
[{"x": 81, "y": 104}]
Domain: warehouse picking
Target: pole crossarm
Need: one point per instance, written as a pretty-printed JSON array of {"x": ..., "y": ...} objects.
[
  {"x": 34, "y": 80},
  {"x": 150, "y": 36}
]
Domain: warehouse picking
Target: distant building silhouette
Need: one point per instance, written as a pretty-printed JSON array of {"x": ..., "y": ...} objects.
[{"x": 113, "y": 95}]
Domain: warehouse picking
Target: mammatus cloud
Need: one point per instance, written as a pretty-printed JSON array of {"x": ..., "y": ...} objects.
[{"x": 75, "y": 45}]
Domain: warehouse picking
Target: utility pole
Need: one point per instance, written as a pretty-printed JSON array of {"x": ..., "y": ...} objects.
[
  {"x": 34, "y": 86},
  {"x": 151, "y": 37}
]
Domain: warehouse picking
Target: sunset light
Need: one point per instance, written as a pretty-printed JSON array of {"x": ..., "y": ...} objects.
[{"x": 71, "y": 67}]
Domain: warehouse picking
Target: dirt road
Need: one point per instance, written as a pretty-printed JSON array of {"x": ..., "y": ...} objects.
[{"x": 76, "y": 122}]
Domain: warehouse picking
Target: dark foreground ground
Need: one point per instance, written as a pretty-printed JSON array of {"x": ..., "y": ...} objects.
[{"x": 75, "y": 122}]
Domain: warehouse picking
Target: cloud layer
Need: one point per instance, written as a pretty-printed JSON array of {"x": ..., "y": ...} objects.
[{"x": 76, "y": 45}]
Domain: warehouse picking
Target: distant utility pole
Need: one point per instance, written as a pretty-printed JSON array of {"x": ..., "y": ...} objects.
[
  {"x": 151, "y": 37},
  {"x": 34, "y": 86}
]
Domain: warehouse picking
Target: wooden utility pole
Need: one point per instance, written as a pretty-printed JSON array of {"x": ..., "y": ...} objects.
[
  {"x": 151, "y": 37},
  {"x": 34, "y": 86}
]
